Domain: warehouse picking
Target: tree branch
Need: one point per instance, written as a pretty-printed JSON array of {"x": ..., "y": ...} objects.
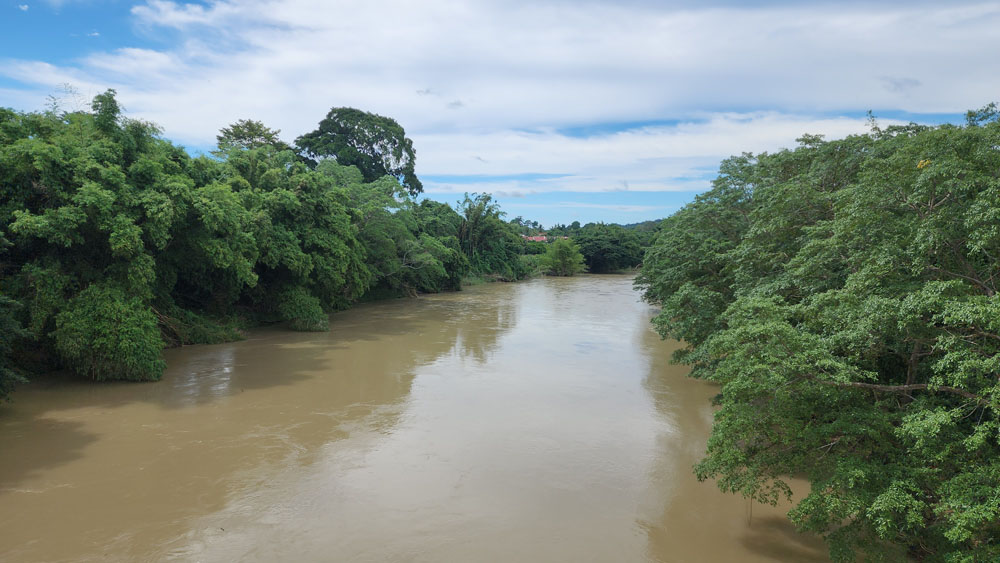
[
  {"x": 905, "y": 388},
  {"x": 987, "y": 289}
]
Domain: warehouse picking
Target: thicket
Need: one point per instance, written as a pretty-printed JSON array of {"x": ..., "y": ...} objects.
[
  {"x": 563, "y": 258},
  {"x": 609, "y": 248},
  {"x": 844, "y": 296},
  {"x": 115, "y": 243}
]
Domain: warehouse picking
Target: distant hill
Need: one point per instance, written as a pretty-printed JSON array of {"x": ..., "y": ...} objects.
[{"x": 645, "y": 226}]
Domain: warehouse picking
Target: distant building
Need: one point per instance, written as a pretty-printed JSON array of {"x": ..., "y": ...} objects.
[{"x": 542, "y": 237}]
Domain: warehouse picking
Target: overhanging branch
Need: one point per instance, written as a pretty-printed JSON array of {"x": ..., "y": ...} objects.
[{"x": 906, "y": 388}]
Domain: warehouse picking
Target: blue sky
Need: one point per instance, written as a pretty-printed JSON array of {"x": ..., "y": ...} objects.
[{"x": 584, "y": 110}]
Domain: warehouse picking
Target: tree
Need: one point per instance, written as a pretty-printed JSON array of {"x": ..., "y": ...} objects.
[
  {"x": 106, "y": 111},
  {"x": 608, "y": 248},
  {"x": 844, "y": 297},
  {"x": 440, "y": 222},
  {"x": 121, "y": 243},
  {"x": 563, "y": 258},
  {"x": 248, "y": 134},
  {"x": 88, "y": 213},
  {"x": 376, "y": 145},
  {"x": 686, "y": 270},
  {"x": 105, "y": 334},
  {"x": 491, "y": 245},
  {"x": 10, "y": 332}
]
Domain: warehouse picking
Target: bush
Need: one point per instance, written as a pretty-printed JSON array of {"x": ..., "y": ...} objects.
[
  {"x": 532, "y": 264},
  {"x": 104, "y": 334},
  {"x": 302, "y": 310},
  {"x": 563, "y": 259}
]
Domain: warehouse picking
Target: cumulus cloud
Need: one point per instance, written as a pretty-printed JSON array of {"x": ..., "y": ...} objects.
[
  {"x": 679, "y": 157},
  {"x": 490, "y": 87}
]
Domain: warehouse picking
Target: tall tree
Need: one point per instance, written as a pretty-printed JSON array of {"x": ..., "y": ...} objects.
[
  {"x": 490, "y": 243},
  {"x": 248, "y": 134},
  {"x": 375, "y": 144}
]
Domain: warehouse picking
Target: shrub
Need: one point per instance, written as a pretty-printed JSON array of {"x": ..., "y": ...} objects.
[{"x": 104, "y": 334}]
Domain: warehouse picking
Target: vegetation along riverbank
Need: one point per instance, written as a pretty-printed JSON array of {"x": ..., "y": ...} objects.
[
  {"x": 844, "y": 296},
  {"x": 116, "y": 243}
]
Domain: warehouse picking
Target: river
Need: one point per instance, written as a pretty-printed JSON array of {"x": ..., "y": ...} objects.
[{"x": 537, "y": 421}]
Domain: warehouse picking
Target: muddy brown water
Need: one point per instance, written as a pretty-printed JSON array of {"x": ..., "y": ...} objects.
[{"x": 538, "y": 421}]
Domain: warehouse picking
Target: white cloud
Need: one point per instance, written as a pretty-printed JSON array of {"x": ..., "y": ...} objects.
[
  {"x": 658, "y": 158},
  {"x": 23, "y": 7},
  {"x": 485, "y": 87}
]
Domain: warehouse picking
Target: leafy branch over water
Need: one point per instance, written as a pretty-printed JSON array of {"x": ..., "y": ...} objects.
[{"x": 844, "y": 296}]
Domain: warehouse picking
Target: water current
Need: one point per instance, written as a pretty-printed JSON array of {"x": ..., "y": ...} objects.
[{"x": 537, "y": 421}]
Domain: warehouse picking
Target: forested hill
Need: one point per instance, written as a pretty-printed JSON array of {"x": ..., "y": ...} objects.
[
  {"x": 115, "y": 242},
  {"x": 844, "y": 296}
]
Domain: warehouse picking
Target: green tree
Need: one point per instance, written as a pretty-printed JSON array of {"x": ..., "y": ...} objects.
[
  {"x": 646, "y": 231},
  {"x": 843, "y": 295},
  {"x": 438, "y": 226},
  {"x": 376, "y": 145},
  {"x": 86, "y": 208},
  {"x": 608, "y": 248},
  {"x": 98, "y": 208},
  {"x": 310, "y": 259},
  {"x": 491, "y": 245},
  {"x": 121, "y": 243},
  {"x": 687, "y": 270},
  {"x": 249, "y": 134},
  {"x": 563, "y": 258},
  {"x": 11, "y": 331},
  {"x": 105, "y": 334}
]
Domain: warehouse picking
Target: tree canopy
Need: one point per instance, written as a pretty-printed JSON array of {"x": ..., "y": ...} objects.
[
  {"x": 608, "y": 248},
  {"x": 491, "y": 244},
  {"x": 563, "y": 258},
  {"x": 375, "y": 144},
  {"x": 248, "y": 134},
  {"x": 844, "y": 296},
  {"x": 115, "y": 243}
]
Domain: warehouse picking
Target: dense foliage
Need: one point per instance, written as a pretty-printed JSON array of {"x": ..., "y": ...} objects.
[
  {"x": 646, "y": 231},
  {"x": 375, "y": 144},
  {"x": 608, "y": 248},
  {"x": 491, "y": 244},
  {"x": 115, "y": 243},
  {"x": 844, "y": 296},
  {"x": 10, "y": 331},
  {"x": 563, "y": 258},
  {"x": 559, "y": 230}
]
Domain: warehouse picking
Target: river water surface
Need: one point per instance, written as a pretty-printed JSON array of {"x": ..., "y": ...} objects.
[{"x": 538, "y": 421}]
